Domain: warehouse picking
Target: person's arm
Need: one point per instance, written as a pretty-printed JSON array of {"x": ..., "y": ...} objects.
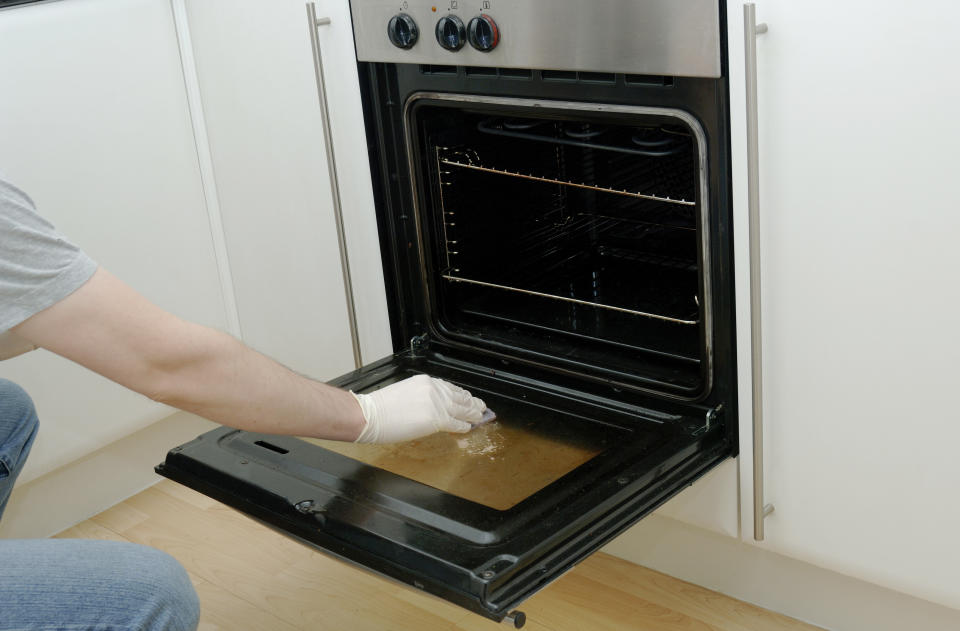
[
  {"x": 111, "y": 329},
  {"x": 12, "y": 345}
]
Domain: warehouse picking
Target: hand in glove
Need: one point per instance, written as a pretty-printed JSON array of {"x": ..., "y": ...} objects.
[{"x": 417, "y": 407}]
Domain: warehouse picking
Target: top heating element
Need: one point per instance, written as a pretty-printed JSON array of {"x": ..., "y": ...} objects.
[{"x": 652, "y": 37}]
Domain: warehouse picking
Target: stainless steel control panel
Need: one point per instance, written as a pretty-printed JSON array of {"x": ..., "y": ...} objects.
[{"x": 656, "y": 37}]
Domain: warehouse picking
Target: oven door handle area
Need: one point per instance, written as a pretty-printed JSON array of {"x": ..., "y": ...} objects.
[
  {"x": 751, "y": 29},
  {"x": 314, "y": 22}
]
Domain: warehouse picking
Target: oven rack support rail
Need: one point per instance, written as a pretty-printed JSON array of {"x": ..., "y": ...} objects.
[
  {"x": 537, "y": 178},
  {"x": 655, "y": 316}
]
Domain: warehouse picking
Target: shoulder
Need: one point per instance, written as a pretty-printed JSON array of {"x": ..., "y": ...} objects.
[{"x": 16, "y": 208}]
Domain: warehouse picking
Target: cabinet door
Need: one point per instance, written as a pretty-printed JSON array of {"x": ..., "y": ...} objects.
[
  {"x": 353, "y": 172},
  {"x": 859, "y": 211},
  {"x": 94, "y": 125},
  {"x": 259, "y": 90}
]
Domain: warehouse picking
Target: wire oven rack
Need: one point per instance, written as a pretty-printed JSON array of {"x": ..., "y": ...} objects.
[{"x": 545, "y": 238}]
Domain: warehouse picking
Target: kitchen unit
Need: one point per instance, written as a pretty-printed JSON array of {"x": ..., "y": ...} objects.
[
  {"x": 852, "y": 44},
  {"x": 856, "y": 215}
]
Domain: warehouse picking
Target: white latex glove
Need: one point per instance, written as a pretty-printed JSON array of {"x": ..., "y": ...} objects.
[{"x": 417, "y": 407}]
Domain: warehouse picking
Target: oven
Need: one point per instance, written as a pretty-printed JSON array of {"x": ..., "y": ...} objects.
[{"x": 552, "y": 188}]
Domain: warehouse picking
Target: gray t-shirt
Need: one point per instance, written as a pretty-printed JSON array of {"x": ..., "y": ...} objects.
[{"x": 38, "y": 267}]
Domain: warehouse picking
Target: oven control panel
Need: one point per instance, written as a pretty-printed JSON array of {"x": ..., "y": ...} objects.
[{"x": 659, "y": 37}]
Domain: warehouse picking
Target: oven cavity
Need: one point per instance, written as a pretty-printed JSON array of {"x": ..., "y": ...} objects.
[{"x": 575, "y": 243}]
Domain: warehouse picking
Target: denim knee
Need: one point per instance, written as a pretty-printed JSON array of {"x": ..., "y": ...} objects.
[
  {"x": 16, "y": 408},
  {"x": 170, "y": 601},
  {"x": 84, "y": 584},
  {"x": 18, "y": 427}
]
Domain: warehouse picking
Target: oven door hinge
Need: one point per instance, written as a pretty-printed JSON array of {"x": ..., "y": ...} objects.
[
  {"x": 710, "y": 418},
  {"x": 418, "y": 344}
]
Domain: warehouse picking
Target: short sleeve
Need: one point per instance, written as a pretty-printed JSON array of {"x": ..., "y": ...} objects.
[{"x": 38, "y": 266}]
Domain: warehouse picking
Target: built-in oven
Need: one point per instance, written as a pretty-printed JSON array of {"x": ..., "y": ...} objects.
[{"x": 552, "y": 188}]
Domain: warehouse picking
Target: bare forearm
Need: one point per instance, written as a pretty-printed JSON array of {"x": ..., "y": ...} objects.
[
  {"x": 111, "y": 329},
  {"x": 221, "y": 379}
]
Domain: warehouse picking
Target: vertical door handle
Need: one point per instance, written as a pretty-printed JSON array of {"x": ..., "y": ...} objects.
[
  {"x": 315, "y": 22},
  {"x": 750, "y": 31}
]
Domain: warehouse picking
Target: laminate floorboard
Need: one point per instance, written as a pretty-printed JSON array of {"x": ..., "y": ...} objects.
[{"x": 251, "y": 578}]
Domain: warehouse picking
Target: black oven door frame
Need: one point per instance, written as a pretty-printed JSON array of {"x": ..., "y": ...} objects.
[{"x": 486, "y": 560}]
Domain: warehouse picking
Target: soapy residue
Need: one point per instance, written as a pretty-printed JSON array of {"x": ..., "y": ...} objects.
[
  {"x": 497, "y": 464},
  {"x": 482, "y": 440}
]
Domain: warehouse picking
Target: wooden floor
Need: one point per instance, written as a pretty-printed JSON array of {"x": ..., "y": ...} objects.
[{"x": 249, "y": 577}]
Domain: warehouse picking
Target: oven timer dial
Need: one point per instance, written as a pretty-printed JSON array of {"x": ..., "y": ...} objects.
[
  {"x": 483, "y": 33},
  {"x": 451, "y": 33},
  {"x": 402, "y": 31}
]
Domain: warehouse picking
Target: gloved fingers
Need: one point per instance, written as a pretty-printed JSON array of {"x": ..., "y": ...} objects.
[
  {"x": 457, "y": 427},
  {"x": 454, "y": 392},
  {"x": 472, "y": 411},
  {"x": 459, "y": 403}
]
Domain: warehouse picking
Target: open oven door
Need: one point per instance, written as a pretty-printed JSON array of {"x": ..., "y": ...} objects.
[{"x": 484, "y": 519}]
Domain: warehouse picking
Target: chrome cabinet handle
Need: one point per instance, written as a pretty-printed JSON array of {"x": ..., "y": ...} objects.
[
  {"x": 750, "y": 31},
  {"x": 315, "y": 22}
]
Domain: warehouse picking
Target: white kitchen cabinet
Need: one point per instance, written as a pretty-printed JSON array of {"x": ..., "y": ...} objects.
[
  {"x": 859, "y": 210},
  {"x": 94, "y": 125},
  {"x": 263, "y": 118}
]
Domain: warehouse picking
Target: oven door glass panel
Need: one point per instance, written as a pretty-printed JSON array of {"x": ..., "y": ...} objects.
[{"x": 484, "y": 519}]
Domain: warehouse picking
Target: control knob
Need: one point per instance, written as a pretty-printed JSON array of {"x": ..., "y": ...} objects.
[
  {"x": 451, "y": 33},
  {"x": 402, "y": 31},
  {"x": 483, "y": 33}
]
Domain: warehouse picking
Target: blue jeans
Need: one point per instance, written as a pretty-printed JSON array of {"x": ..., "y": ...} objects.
[{"x": 75, "y": 585}]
